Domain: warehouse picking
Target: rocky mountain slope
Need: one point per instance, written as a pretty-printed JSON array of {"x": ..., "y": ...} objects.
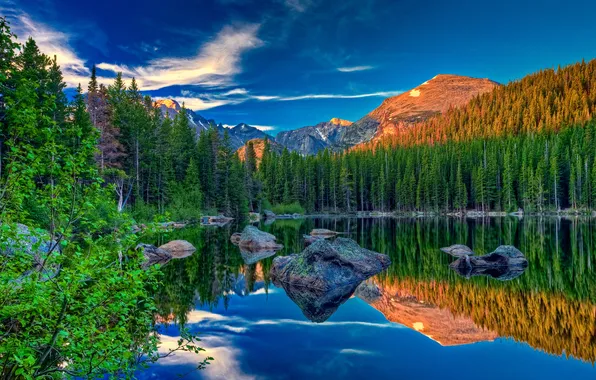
[
  {"x": 259, "y": 146},
  {"x": 432, "y": 97},
  {"x": 310, "y": 140},
  {"x": 239, "y": 134}
]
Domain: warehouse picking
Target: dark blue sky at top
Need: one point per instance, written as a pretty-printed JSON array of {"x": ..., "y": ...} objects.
[{"x": 285, "y": 72}]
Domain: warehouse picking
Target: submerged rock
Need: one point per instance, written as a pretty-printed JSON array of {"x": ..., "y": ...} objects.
[
  {"x": 323, "y": 232},
  {"x": 327, "y": 265},
  {"x": 254, "y": 239},
  {"x": 368, "y": 291},
  {"x": 504, "y": 263},
  {"x": 217, "y": 221}
]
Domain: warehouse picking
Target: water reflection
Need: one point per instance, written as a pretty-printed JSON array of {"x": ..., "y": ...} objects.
[{"x": 551, "y": 306}]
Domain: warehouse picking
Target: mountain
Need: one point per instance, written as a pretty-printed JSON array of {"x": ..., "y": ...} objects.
[
  {"x": 310, "y": 140},
  {"x": 242, "y": 133},
  {"x": 432, "y": 97},
  {"x": 439, "y": 324},
  {"x": 259, "y": 146},
  {"x": 239, "y": 134},
  {"x": 171, "y": 108}
]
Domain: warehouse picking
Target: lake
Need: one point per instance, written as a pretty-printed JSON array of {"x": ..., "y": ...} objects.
[{"x": 417, "y": 320}]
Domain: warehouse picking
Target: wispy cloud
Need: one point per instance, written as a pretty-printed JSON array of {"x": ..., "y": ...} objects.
[
  {"x": 298, "y": 5},
  {"x": 383, "y": 94},
  {"x": 199, "y": 102},
  {"x": 354, "y": 68},
  {"x": 53, "y": 43},
  {"x": 215, "y": 64}
]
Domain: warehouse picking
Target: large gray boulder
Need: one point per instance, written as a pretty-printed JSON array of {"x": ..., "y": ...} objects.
[{"x": 326, "y": 265}]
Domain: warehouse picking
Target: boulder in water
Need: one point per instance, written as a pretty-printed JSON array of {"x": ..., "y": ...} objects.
[
  {"x": 504, "y": 263},
  {"x": 326, "y": 265},
  {"x": 254, "y": 239},
  {"x": 323, "y": 232},
  {"x": 153, "y": 255},
  {"x": 179, "y": 249},
  {"x": 269, "y": 214}
]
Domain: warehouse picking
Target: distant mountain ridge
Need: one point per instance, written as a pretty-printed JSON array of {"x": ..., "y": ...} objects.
[
  {"x": 395, "y": 114},
  {"x": 312, "y": 139},
  {"x": 431, "y": 98},
  {"x": 239, "y": 134}
]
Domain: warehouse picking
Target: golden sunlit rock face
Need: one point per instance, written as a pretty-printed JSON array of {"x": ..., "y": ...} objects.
[
  {"x": 341, "y": 122},
  {"x": 439, "y": 324},
  {"x": 168, "y": 103},
  {"x": 259, "y": 147},
  {"x": 429, "y": 99}
]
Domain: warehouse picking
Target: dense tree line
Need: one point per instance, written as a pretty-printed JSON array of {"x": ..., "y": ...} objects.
[
  {"x": 537, "y": 172},
  {"x": 529, "y": 144},
  {"x": 158, "y": 164}
]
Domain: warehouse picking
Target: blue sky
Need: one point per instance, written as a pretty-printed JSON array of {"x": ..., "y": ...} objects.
[{"x": 290, "y": 63}]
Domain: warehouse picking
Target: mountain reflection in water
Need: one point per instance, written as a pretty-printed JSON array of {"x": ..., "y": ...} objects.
[{"x": 551, "y": 306}]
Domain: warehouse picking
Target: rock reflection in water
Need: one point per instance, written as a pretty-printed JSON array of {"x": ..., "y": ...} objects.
[
  {"x": 318, "y": 305},
  {"x": 502, "y": 273}
]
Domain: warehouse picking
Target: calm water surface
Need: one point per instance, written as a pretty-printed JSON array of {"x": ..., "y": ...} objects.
[{"x": 417, "y": 320}]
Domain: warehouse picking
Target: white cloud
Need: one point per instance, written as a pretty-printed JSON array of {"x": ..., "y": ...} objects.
[
  {"x": 215, "y": 64},
  {"x": 199, "y": 102},
  {"x": 53, "y": 43},
  {"x": 354, "y": 68},
  {"x": 384, "y": 94},
  {"x": 355, "y": 351},
  {"x": 225, "y": 366},
  {"x": 298, "y": 5}
]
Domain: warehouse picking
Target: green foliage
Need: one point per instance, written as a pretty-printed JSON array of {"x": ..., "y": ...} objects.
[
  {"x": 292, "y": 208},
  {"x": 543, "y": 172},
  {"x": 74, "y": 300}
]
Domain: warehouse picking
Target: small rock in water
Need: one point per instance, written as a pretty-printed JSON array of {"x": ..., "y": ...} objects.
[
  {"x": 153, "y": 255},
  {"x": 179, "y": 248},
  {"x": 255, "y": 239},
  {"x": 458, "y": 250},
  {"x": 323, "y": 232},
  {"x": 504, "y": 263}
]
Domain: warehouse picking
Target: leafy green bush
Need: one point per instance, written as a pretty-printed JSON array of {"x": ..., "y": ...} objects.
[{"x": 292, "y": 208}]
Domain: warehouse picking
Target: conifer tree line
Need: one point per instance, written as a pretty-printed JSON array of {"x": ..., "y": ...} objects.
[{"x": 158, "y": 164}]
